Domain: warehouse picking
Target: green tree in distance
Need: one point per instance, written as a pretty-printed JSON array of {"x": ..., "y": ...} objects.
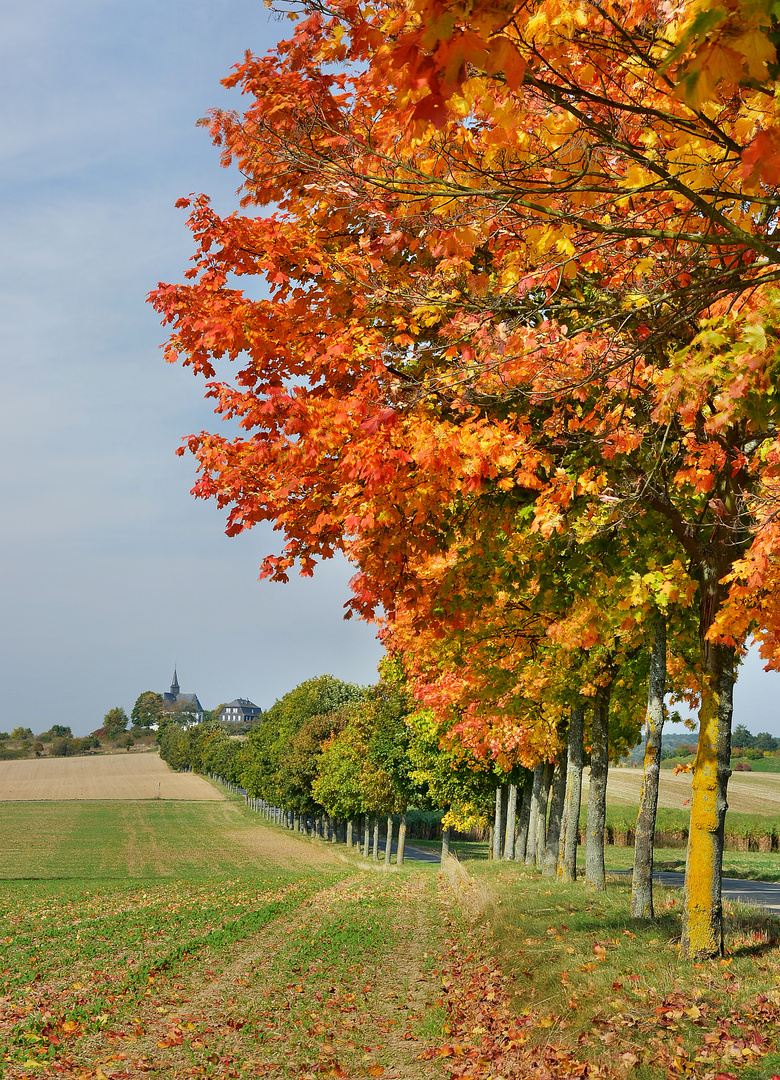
[
  {"x": 114, "y": 723},
  {"x": 147, "y": 709}
]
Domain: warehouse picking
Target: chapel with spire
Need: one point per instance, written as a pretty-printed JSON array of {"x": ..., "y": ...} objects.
[{"x": 175, "y": 701}]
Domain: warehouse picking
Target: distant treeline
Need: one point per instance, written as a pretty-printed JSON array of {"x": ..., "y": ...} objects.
[
  {"x": 57, "y": 741},
  {"x": 681, "y": 745}
]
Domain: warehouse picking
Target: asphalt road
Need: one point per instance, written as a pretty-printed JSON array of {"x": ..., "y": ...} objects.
[
  {"x": 411, "y": 853},
  {"x": 764, "y": 893}
]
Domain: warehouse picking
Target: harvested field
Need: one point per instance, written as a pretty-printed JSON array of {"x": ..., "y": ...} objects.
[
  {"x": 749, "y": 793},
  {"x": 110, "y": 776}
]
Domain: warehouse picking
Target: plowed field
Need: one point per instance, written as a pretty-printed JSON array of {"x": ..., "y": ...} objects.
[
  {"x": 749, "y": 793},
  {"x": 109, "y": 776}
]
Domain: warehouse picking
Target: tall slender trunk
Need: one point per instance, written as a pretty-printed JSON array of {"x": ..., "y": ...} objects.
[
  {"x": 366, "y": 835},
  {"x": 595, "y": 876},
  {"x": 556, "y": 814},
  {"x": 445, "y": 842},
  {"x": 401, "y": 839},
  {"x": 498, "y": 825},
  {"x": 350, "y": 830},
  {"x": 567, "y": 854},
  {"x": 530, "y": 850},
  {"x": 521, "y": 844},
  {"x": 335, "y": 827},
  {"x": 541, "y": 820},
  {"x": 375, "y": 845},
  {"x": 511, "y": 822},
  {"x": 642, "y": 881},
  {"x": 703, "y": 916},
  {"x": 389, "y": 839}
]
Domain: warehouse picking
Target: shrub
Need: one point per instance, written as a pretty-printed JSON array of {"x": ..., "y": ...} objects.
[{"x": 62, "y": 747}]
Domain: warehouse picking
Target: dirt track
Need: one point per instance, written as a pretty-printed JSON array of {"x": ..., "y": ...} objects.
[{"x": 109, "y": 776}]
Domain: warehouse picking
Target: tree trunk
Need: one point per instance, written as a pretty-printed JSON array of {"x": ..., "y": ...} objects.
[
  {"x": 511, "y": 822},
  {"x": 554, "y": 824},
  {"x": 445, "y": 842},
  {"x": 389, "y": 839},
  {"x": 595, "y": 876},
  {"x": 375, "y": 845},
  {"x": 541, "y": 820},
  {"x": 350, "y": 831},
  {"x": 401, "y": 839},
  {"x": 567, "y": 869},
  {"x": 703, "y": 916},
  {"x": 334, "y": 832},
  {"x": 366, "y": 835},
  {"x": 521, "y": 844},
  {"x": 498, "y": 827},
  {"x": 530, "y": 850},
  {"x": 642, "y": 881}
]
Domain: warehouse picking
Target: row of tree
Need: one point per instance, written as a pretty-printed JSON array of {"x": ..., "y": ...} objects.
[
  {"x": 330, "y": 751},
  {"x": 516, "y": 355}
]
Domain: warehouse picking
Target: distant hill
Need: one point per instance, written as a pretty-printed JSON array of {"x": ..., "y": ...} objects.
[
  {"x": 679, "y": 736},
  {"x": 743, "y": 743}
]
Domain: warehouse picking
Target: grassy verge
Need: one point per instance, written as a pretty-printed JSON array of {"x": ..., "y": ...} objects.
[{"x": 583, "y": 982}]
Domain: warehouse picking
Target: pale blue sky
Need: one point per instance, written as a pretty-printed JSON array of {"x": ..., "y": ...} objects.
[{"x": 111, "y": 571}]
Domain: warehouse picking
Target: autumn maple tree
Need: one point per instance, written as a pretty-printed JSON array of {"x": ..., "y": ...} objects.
[{"x": 523, "y": 256}]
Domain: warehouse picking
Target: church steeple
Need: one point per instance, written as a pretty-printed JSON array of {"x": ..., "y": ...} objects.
[{"x": 175, "y": 685}]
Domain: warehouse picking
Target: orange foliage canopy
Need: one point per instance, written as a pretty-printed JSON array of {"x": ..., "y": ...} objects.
[
  {"x": 521, "y": 283},
  {"x": 522, "y": 252}
]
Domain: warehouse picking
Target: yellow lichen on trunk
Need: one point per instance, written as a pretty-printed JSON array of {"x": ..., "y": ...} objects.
[{"x": 703, "y": 933}]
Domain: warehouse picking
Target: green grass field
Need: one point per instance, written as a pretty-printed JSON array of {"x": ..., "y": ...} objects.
[
  {"x": 120, "y": 840},
  {"x": 770, "y": 764},
  {"x": 187, "y": 940}
]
